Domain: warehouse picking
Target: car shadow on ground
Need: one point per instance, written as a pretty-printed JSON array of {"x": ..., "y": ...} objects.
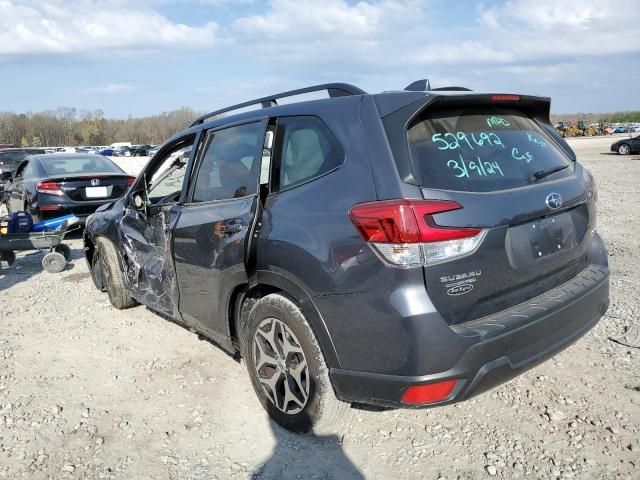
[
  {"x": 633, "y": 156},
  {"x": 306, "y": 456},
  {"x": 26, "y": 266}
]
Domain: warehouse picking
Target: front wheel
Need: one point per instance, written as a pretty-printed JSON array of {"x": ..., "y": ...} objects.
[
  {"x": 624, "y": 149},
  {"x": 112, "y": 277},
  {"x": 287, "y": 368}
]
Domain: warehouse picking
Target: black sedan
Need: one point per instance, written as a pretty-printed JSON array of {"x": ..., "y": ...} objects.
[
  {"x": 627, "y": 146},
  {"x": 49, "y": 186}
]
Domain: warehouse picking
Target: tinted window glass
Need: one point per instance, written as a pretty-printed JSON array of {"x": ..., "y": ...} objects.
[
  {"x": 230, "y": 165},
  {"x": 480, "y": 150},
  {"x": 308, "y": 149},
  {"x": 71, "y": 165},
  {"x": 167, "y": 176}
]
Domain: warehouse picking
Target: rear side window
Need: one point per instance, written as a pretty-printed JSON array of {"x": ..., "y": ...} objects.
[
  {"x": 307, "y": 149},
  {"x": 481, "y": 149}
]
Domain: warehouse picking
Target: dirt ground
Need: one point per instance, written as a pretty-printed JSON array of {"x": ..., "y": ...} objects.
[{"x": 87, "y": 391}]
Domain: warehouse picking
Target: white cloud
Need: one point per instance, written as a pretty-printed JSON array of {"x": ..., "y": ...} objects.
[
  {"x": 552, "y": 14},
  {"x": 56, "y": 26},
  {"x": 329, "y": 30},
  {"x": 391, "y": 34}
]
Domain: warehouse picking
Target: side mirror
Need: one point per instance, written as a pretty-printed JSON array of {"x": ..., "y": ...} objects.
[{"x": 138, "y": 201}]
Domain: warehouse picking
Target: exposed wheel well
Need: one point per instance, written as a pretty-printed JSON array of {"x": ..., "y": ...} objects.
[
  {"x": 242, "y": 301},
  {"x": 89, "y": 250}
]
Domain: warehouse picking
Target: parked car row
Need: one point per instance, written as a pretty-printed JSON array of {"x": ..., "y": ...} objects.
[{"x": 122, "y": 149}]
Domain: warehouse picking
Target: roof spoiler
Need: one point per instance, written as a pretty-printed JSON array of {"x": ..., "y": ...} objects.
[{"x": 425, "y": 85}]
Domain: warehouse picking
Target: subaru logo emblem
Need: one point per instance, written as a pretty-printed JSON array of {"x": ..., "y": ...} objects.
[
  {"x": 554, "y": 201},
  {"x": 95, "y": 182}
]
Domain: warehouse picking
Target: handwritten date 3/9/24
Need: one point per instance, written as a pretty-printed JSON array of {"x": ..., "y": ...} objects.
[{"x": 465, "y": 168}]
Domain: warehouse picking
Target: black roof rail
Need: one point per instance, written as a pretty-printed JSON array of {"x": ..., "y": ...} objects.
[{"x": 333, "y": 89}]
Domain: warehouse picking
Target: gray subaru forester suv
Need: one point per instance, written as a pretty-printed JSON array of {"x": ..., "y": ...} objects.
[{"x": 403, "y": 249}]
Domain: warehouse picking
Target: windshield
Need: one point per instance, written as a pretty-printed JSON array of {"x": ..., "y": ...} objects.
[
  {"x": 77, "y": 165},
  {"x": 479, "y": 150}
]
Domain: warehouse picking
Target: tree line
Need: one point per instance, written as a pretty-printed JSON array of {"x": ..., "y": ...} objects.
[{"x": 71, "y": 127}]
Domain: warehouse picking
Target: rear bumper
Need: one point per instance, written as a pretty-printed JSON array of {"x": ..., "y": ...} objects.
[
  {"x": 500, "y": 346},
  {"x": 82, "y": 212}
]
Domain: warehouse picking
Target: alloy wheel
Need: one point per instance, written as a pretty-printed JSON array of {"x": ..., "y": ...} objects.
[{"x": 281, "y": 366}]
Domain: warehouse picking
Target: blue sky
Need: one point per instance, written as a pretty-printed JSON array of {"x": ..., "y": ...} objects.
[{"x": 133, "y": 58}]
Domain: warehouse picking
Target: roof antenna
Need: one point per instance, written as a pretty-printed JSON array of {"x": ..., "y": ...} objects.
[{"x": 419, "y": 86}]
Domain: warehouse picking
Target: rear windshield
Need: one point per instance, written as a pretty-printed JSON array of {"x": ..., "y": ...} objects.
[
  {"x": 480, "y": 150},
  {"x": 88, "y": 164}
]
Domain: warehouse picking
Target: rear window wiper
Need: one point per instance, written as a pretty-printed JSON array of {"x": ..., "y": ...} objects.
[{"x": 545, "y": 173}]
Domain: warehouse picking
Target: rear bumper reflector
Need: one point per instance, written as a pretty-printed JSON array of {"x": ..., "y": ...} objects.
[{"x": 432, "y": 392}]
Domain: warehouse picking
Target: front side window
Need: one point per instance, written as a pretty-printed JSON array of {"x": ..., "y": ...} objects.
[
  {"x": 230, "y": 164},
  {"x": 164, "y": 182},
  {"x": 307, "y": 149},
  {"x": 482, "y": 149}
]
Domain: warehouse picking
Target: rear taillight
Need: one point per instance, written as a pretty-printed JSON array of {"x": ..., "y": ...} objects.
[
  {"x": 131, "y": 181},
  {"x": 405, "y": 234},
  {"x": 433, "y": 392},
  {"x": 50, "y": 188}
]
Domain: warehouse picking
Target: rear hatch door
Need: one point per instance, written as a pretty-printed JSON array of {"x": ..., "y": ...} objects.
[{"x": 514, "y": 180}]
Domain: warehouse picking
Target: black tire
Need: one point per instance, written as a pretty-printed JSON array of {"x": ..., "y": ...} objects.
[
  {"x": 624, "y": 149},
  {"x": 65, "y": 250},
  {"x": 112, "y": 277},
  {"x": 322, "y": 412},
  {"x": 97, "y": 274},
  {"x": 54, "y": 262},
  {"x": 7, "y": 258}
]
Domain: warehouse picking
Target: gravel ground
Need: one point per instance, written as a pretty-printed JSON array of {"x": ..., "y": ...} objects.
[{"x": 87, "y": 391}]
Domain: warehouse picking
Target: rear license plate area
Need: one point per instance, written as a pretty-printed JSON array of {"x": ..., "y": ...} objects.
[
  {"x": 541, "y": 238},
  {"x": 96, "y": 192}
]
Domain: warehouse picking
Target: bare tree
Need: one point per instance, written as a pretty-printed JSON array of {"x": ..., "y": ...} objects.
[{"x": 70, "y": 127}]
